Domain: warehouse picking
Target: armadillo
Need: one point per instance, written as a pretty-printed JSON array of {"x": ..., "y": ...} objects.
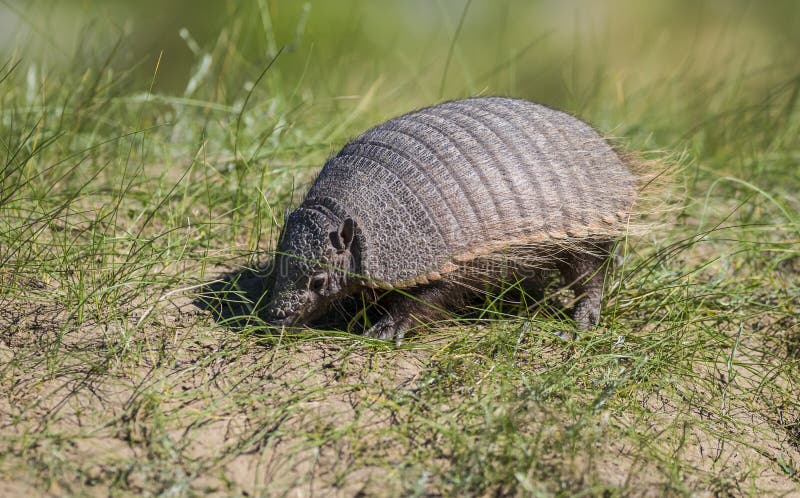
[{"x": 431, "y": 202}]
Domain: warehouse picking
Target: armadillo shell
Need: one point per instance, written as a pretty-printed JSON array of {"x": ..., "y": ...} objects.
[{"x": 445, "y": 184}]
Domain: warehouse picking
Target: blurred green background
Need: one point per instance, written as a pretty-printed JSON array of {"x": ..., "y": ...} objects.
[{"x": 555, "y": 52}]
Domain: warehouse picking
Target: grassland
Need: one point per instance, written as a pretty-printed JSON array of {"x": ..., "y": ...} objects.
[{"x": 135, "y": 175}]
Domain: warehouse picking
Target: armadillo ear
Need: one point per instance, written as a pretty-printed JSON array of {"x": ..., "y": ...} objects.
[
  {"x": 347, "y": 232},
  {"x": 342, "y": 239}
]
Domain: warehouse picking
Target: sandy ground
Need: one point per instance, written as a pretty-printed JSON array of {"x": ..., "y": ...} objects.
[{"x": 179, "y": 404}]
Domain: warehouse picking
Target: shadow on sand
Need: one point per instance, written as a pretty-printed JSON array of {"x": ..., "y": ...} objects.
[{"x": 235, "y": 299}]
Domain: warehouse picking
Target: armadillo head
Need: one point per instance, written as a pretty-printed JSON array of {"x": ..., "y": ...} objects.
[{"x": 314, "y": 265}]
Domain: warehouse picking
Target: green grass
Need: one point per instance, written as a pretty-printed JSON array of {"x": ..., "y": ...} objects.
[{"x": 131, "y": 176}]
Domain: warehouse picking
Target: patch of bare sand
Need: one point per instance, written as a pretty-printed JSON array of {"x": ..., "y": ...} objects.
[
  {"x": 10, "y": 487},
  {"x": 316, "y": 412}
]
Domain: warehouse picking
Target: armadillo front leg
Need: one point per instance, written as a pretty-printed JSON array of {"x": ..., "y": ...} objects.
[
  {"x": 424, "y": 304},
  {"x": 584, "y": 272}
]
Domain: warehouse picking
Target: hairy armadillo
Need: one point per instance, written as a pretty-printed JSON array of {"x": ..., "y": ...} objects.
[{"x": 431, "y": 201}]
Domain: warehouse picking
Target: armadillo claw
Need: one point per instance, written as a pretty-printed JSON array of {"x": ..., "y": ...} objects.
[
  {"x": 399, "y": 334},
  {"x": 565, "y": 335},
  {"x": 385, "y": 328},
  {"x": 586, "y": 314},
  {"x": 389, "y": 328}
]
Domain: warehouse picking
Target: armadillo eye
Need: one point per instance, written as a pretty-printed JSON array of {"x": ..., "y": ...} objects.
[{"x": 318, "y": 282}]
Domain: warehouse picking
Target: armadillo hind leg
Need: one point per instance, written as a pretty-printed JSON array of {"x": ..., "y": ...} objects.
[
  {"x": 423, "y": 304},
  {"x": 584, "y": 272}
]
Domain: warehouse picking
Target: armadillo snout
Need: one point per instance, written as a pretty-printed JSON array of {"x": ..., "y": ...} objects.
[
  {"x": 284, "y": 321},
  {"x": 287, "y": 308},
  {"x": 280, "y": 317}
]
